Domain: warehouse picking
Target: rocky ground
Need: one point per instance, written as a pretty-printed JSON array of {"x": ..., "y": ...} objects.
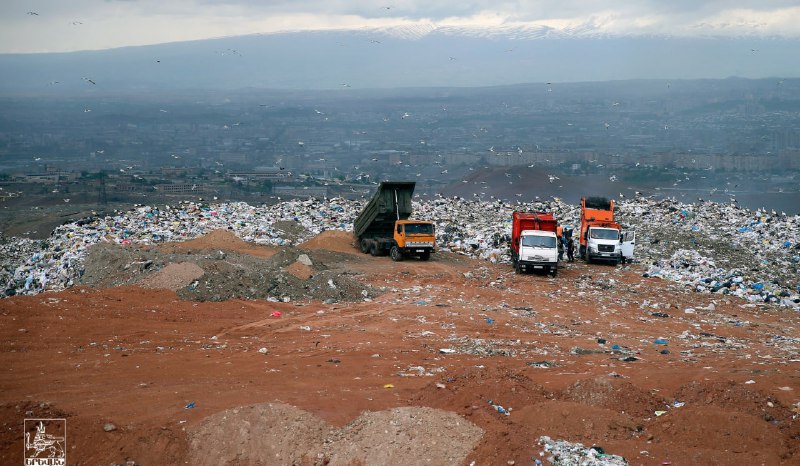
[{"x": 154, "y": 358}]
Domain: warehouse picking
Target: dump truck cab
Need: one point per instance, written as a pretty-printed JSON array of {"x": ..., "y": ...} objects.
[
  {"x": 603, "y": 243},
  {"x": 538, "y": 250},
  {"x": 413, "y": 237},
  {"x": 534, "y": 244}
]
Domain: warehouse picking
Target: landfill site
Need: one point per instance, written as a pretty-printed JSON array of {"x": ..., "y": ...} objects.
[{"x": 230, "y": 334}]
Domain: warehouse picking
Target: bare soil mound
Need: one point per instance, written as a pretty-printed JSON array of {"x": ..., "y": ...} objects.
[
  {"x": 333, "y": 240},
  {"x": 272, "y": 433},
  {"x": 217, "y": 274},
  {"x": 613, "y": 394},
  {"x": 757, "y": 442},
  {"x": 410, "y": 436},
  {"x": 278, "y": 433},
  {"x": 173, "y": 276},
  {"x": 223, "y": 240},
  {"x": 300, "y": 270}
]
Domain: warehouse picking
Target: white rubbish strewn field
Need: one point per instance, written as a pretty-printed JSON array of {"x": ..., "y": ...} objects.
[{"x": 709, "y": 247}]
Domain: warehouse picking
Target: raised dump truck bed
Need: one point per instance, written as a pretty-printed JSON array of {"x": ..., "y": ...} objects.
[
  {"x": 391, "y": 202},
  {"x": 384, "y": 226}
]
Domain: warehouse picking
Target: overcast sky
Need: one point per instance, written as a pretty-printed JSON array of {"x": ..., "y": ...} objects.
[{"x": 61, "y": 26}]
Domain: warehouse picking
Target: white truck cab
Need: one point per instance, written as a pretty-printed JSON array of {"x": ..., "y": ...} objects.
[
  {"x": 603, "y": 244},
  {"x": 538, "y": 250}
]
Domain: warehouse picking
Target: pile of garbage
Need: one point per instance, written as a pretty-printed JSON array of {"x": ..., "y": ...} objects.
[
  {"x": 563, "y": 453},
  {"x": 709, "y": 247},
  {"x": 719, "y": 248}
]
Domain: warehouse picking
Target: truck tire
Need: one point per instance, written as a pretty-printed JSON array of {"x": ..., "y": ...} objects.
[
  {"x": 373, "y": 248},
  {"x": 517, "y": 267},
  {"x": 554, "y": 272},
  {"x": 425, "y": 256},
  {"x": 582, "y": 252},
  {"x": 364, "y": 246},
  {"x": 588, "y": 258},
  {"x": 396, "y": 254}
]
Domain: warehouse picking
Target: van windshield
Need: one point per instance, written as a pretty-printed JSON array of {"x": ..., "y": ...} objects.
[
  {"x": 605, "y": 233},
  {"x": 539, "y": 241},
  {"x": 419, "y": 229}
]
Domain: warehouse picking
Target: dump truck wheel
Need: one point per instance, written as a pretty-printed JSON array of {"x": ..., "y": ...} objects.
[
  {"x": 554, "y": 272},
  {"x": 364, "y": 246},
  {"x": 425, "y": 256},
  {"x": 373, "y": 249},
  {"x": 395, "y": 254}
]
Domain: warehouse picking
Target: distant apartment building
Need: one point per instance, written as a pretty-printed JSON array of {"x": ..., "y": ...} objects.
[
  {"x": 260, "y": 174},
  {"x": 181, "y": 188}
]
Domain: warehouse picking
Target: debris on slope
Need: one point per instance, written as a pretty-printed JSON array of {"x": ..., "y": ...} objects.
[
  {"x": 709, "y": 247},
  {"x": 563, "y": 453}
]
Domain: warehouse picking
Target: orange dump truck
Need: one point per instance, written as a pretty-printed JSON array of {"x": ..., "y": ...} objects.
[
  {"x": 384, "y": 227},
  {"x": 600, "y": 234}
]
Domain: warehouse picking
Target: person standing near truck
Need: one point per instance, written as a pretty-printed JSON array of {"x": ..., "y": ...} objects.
[{"x": 570, "y": 249}]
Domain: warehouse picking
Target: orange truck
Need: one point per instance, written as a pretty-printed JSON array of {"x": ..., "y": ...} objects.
[
  {"x": 383, "y": 226},
  {"x": 600, "y": 235},
  {"x": 534, "y": 245}
]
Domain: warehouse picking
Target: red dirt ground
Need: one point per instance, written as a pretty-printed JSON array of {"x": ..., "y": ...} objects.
[{"x": 326, "y": 384}]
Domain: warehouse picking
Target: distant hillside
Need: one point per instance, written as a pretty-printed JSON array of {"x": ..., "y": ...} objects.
[{"x": 395, "y": 58}]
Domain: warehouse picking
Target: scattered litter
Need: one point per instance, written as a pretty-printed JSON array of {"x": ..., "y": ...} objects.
[
  {"x": 706, "y": 246},
  {"x": 500, "y": 409},
  {"x": 276, "y": 314},
  {"x": 263, "y": 350},
  {"x": 447, "y": 350},
  {"x": 542, "y": 364},
  {"x": 190, "y": 405},
  {"x": 388, "y": 385},
  {"x": 563, "y": 453}
]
